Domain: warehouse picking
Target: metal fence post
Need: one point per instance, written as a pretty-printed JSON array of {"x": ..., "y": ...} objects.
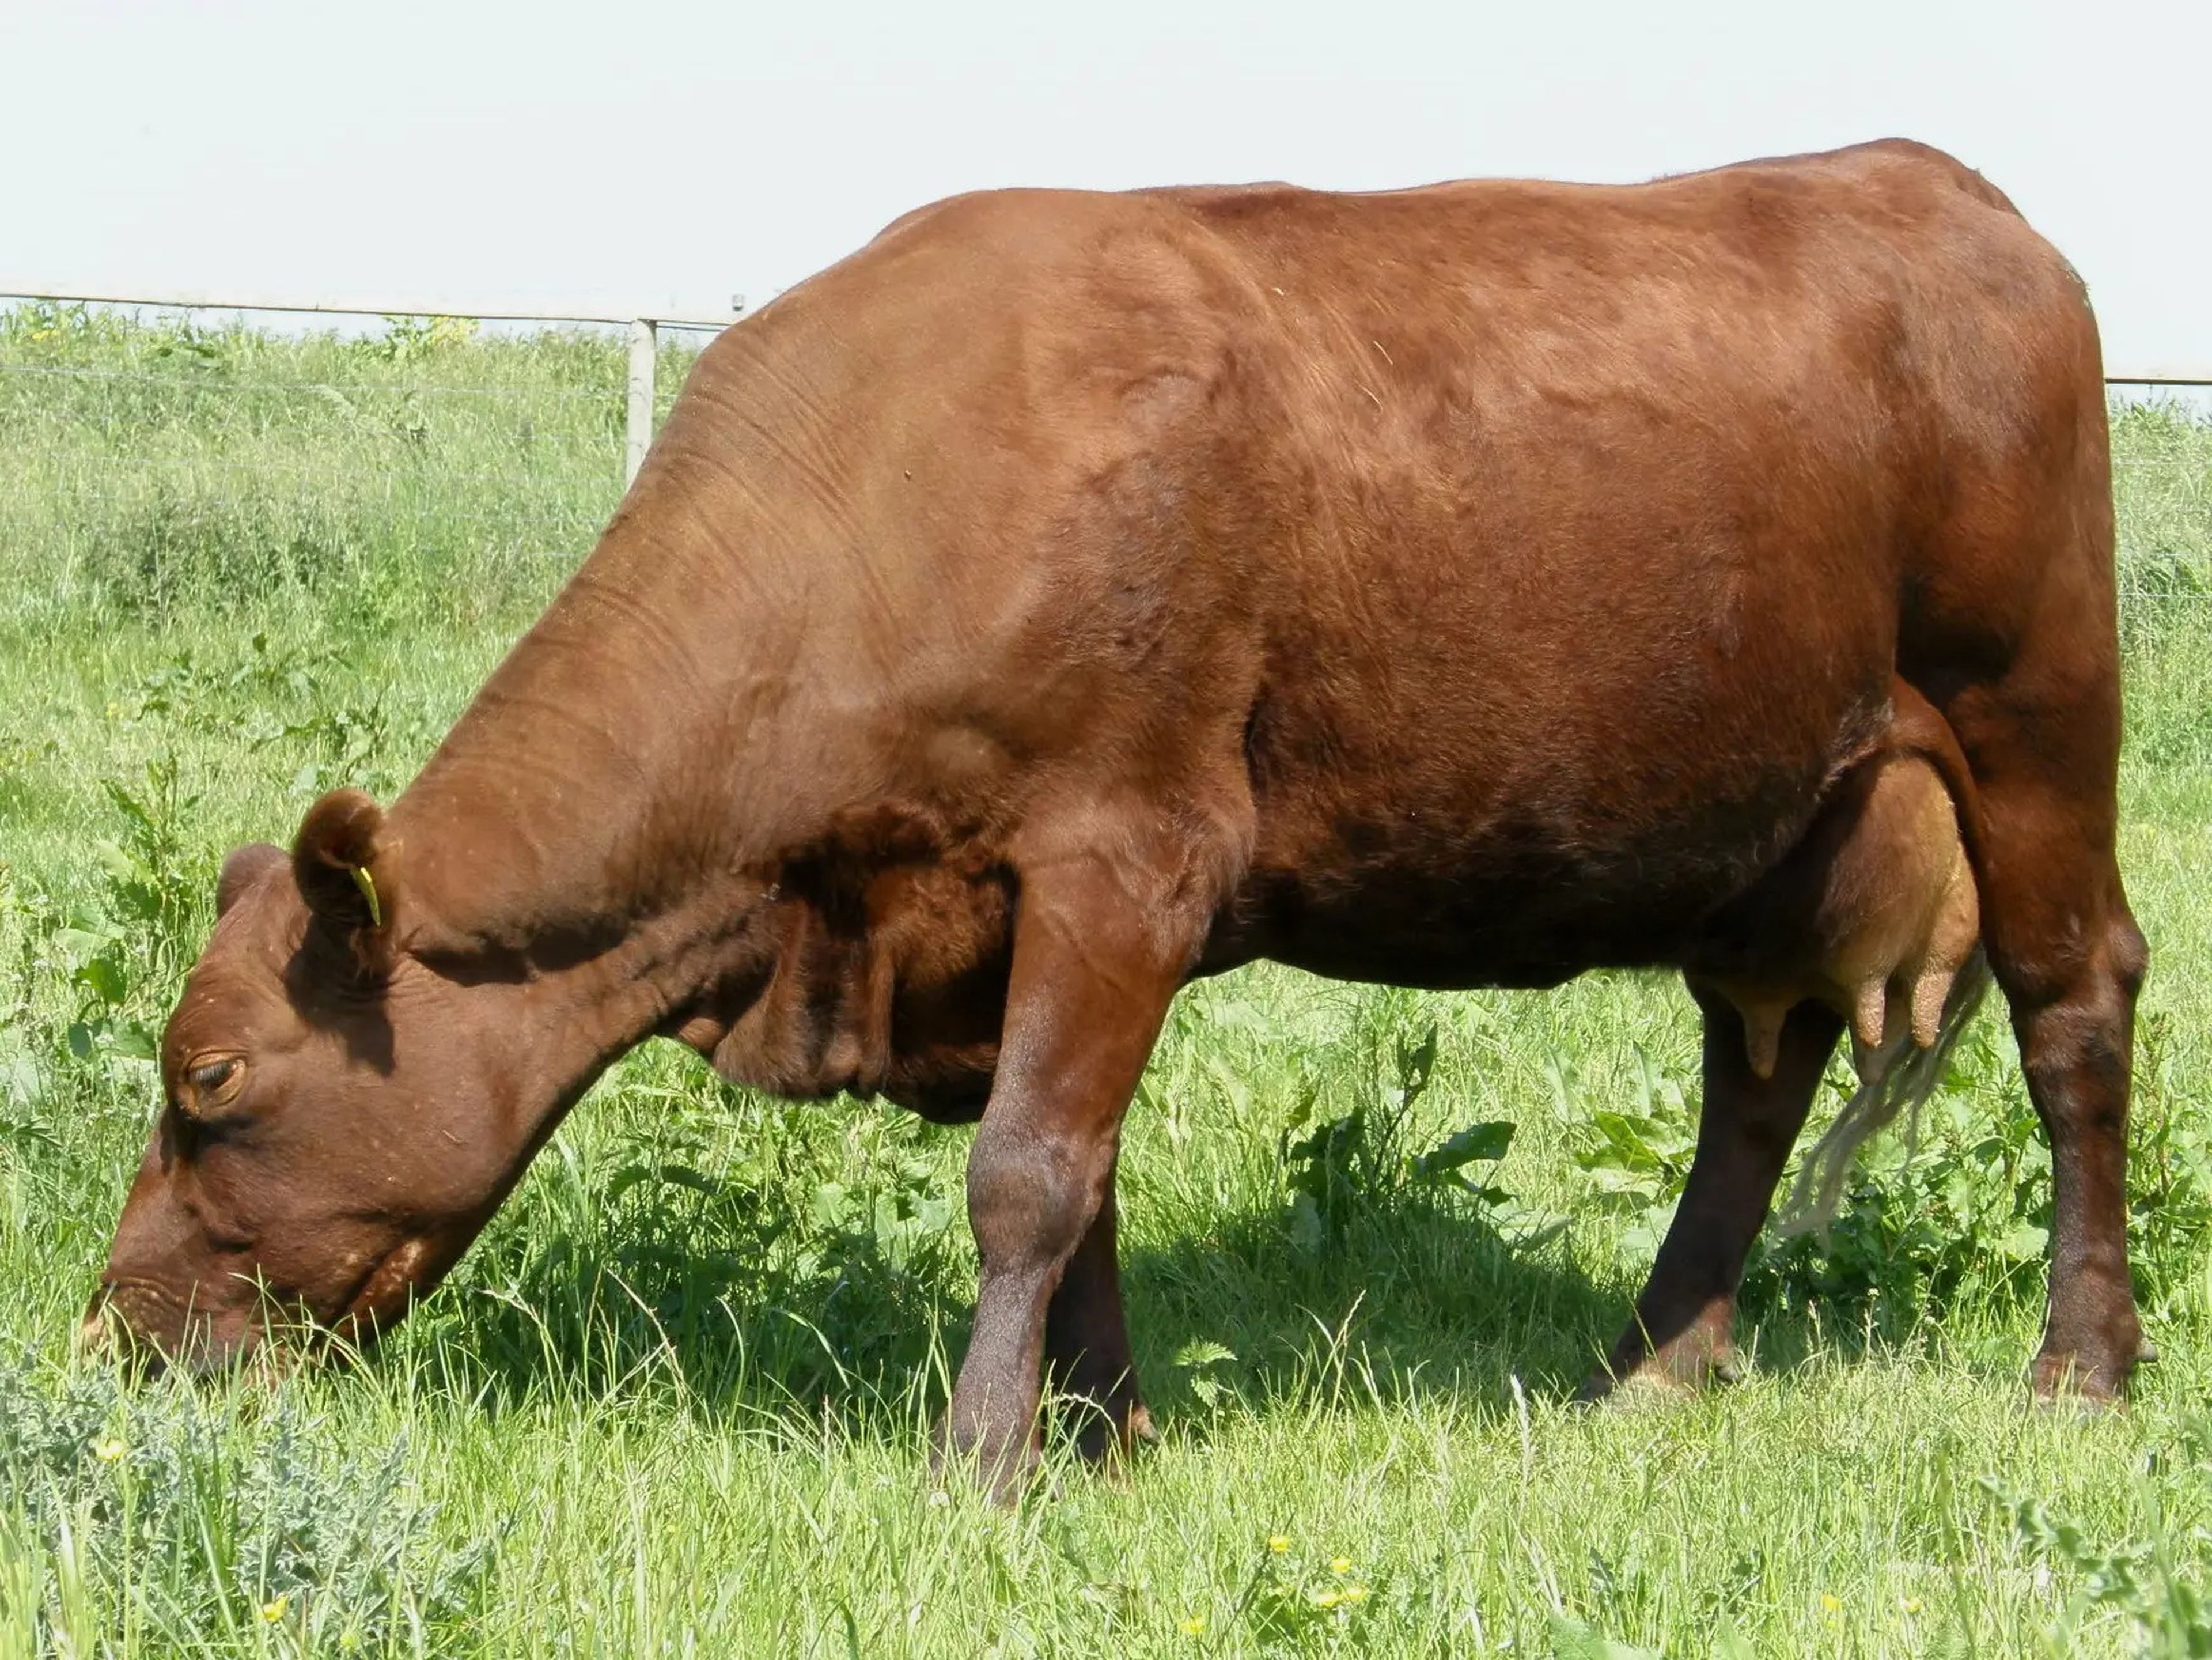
[{"x": 644, "y": 343}]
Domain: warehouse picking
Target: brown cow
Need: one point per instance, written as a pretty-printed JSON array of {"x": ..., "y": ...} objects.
[{"x": 1070, "y": 594}]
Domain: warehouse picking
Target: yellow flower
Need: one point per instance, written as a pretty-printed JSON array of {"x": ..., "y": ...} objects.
[
  {"x": 1278, "y": 1542},
  {"x": 273, "y": 1610},
  {"x": 1342, "y": 1564},
  {"x": 1355, "y": 1593},
  {"x": 1326, "y": 1599},
  {"x": 1910, "y": 1604},
  {"x": 108, "y": 1451},
  {"x": 1192, "y": 1625},
  {"x": 1831, "y": 1602}
]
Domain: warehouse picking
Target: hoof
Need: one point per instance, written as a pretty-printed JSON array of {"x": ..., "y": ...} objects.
[
  {"x": 1104, "y": 1424},
  {"x": 1003, "y": 1475},
  {"x": 2076, "y": 1382},
  {"x": 1119, "y": 1456},
  {"x": 1598, "y": 1386},
  {"x": 1666, "y": 1374},
  {"x": 1642, "y": 1389}
]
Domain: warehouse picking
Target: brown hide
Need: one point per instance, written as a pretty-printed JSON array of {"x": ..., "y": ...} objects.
[{"x": 1070, "y": 593}]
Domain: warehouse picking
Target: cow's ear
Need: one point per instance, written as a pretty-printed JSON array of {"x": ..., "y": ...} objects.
[
  {"x": 342, "y": 874},
  {"x": 245, "y": 867}
]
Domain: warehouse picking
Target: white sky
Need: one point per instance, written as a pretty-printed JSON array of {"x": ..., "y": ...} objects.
[{"x": 630, "y": 154}]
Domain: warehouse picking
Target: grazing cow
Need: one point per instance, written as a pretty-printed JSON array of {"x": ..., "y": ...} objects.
[{"x": 1070, "y": 594}]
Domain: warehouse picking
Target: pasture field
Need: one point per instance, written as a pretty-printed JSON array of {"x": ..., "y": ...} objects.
[{"x": 676, "y": 1401}]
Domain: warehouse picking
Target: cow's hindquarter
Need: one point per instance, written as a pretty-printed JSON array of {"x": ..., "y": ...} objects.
[{"x": 2014, "y": 637}]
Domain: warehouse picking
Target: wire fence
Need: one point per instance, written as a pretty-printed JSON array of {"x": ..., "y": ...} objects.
[{"x": 151, "y": 453}]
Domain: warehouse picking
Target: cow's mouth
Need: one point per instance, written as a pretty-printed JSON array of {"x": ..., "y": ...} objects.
[{"x": 145, "y": 1325}]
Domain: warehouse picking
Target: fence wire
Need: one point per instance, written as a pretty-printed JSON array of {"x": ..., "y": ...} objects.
[{"x": 361, "y": 388}]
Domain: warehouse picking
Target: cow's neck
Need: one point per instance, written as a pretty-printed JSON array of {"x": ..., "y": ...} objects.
[
  {"x": 689, "y": 722},
  {"x": 609, "y": 811},
  {"x": 640, "y": 743}
]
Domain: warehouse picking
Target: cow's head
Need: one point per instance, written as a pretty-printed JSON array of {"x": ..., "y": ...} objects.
[
  {"x": 334, "y": 1127},
  {"x": 352, "y": 1081}
]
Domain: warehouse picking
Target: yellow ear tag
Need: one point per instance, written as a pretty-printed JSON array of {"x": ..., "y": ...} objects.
[{"x": 367, "y": 883}]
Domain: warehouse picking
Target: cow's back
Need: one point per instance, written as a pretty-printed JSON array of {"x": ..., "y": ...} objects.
[{"x": 1601, "y": 518}]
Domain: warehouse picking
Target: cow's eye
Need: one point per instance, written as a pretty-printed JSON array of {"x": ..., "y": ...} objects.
[{"x": 213, "y": 1081}]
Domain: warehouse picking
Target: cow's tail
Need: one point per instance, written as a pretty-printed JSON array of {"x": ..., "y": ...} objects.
[{"x": 1897, "y": 1078}]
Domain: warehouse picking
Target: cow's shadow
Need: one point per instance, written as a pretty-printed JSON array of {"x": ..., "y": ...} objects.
[{"x": 1412, "y": 1301}]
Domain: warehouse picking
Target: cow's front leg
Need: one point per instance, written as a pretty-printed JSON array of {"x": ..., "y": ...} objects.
[
  {"x": 1099, "y": 950},
  {"x": 1684, "y": 1329}
]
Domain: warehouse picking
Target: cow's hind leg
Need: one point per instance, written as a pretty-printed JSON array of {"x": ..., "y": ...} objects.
[
  {"x": 1684, "y": 1329},
  {"x": 2055, "y": 920}
]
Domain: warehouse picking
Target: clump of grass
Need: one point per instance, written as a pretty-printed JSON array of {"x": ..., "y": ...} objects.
[{"x": 144, "y": 1521}]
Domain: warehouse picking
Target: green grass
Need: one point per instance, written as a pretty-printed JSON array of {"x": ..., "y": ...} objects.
[{"x": 677, "y": 1398}]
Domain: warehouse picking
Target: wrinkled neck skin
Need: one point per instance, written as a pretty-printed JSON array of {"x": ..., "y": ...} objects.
[{"x": 635, "y": 830}]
